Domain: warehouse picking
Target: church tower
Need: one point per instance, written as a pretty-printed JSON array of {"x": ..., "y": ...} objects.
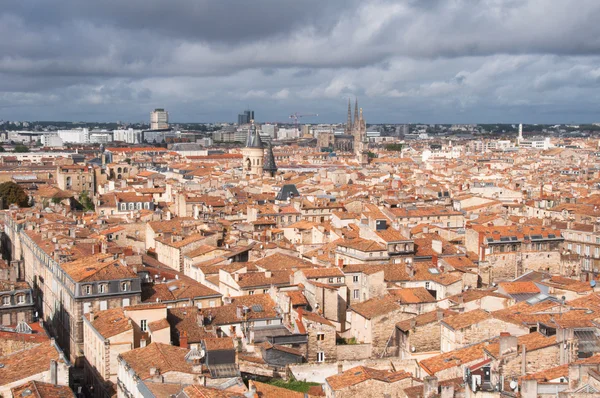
[
  {"x": 361, "y": 143},
  {"x": 348, "y": 129},
  {"x": 253, "y": 154},
  {"x": 270, "y": 168}
]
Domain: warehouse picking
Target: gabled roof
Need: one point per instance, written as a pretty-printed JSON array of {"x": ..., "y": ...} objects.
[
  {"x": 376, "y": 307},
  {"x": 361, "y": 374}
]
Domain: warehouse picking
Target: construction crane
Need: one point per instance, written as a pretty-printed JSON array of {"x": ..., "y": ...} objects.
[{"x": 297, "y": 116}]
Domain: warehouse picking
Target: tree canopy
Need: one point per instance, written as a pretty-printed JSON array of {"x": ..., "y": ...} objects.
[
  {"x": 19, "y": 148},
  {"x": 12, "y": 193}
]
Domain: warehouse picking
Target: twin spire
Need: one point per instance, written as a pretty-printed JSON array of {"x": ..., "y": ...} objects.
[{"x": 350, "y": 125}]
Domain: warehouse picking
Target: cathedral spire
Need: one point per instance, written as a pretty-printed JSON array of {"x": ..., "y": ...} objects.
[
  {"x": 356, "y": 119},
  {"x": 270, "y": 167},
  {"x": 349, "y": 121}
]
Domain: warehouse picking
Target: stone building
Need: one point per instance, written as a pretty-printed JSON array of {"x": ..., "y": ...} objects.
[
  {"x": 507, "y": 252},
  {"x": 66, "y": 291},
  {"x": 374, "y": 322},
  {"x": 366, "y": 382},
  {"x": 44, "y": 362},
  {"x": 16, "y": 303},
  {"x": 321, "y": 345},
  {"x": 420, "y": 335},
  {"x": 76, "y": 178},
  {"x": 472, "y": 327},
  {"x": 255, "y": 160}
]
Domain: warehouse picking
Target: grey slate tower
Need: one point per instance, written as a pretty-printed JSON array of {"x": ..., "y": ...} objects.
[
  {"x": 270, "y": 167},
  {"x": 253, "y": 154},
  {"x": 349, "y": 120}
]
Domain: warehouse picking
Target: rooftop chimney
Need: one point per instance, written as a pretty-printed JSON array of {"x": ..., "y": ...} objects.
[
  {"x": 183, "y": 340},
  {"x": 92, "y": 316},
  {"x": 508, "y": 343},
  {"x": 268, "y": 274},
  {"x": 53, "y": 372},
  {"x": 430, "y": 386},
  {"x": 436, "y": 245},
  {"x": 440, "y": 314},
  {"x": 142, "y": 342}
]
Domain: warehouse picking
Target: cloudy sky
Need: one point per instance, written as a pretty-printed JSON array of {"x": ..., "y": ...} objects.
[{"x": 444, "y": 61}]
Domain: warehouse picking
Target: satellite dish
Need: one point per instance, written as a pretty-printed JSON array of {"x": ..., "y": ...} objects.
[{"x": 514, "y": 385}]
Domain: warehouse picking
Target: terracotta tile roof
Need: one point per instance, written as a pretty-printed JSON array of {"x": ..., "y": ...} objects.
[
  {"x": 100, "y": 267},
  {"x": 23, "y": 364},
  {"x": 549, "y": 374},
  {"x": 363, "y": 245},
  {"x": 279, "y": 261},
  {"x": 475, "y": 294},
  {"x": 110, "y": 322},
  {"x": 165, "y": 357},
  {"x": 376, "y": 307},
  {"x": 260, "y": 279},
  {"x": 453, "y": 358},
  {"x": 522, "y": 232},
  {"x": 391, "y": 235},
  {"x": 518, "y": 287},
  {"x": 425, "y": 319},
  {"x": 361, "y": 374},
  {"x": 268, "y": 391},
  {"x": 177, "y": 289},
  {"x": 203, "y": 249},
  {"x": 227, "y": 314},
  {"x": 297, "y": 298},
  {"x": 39, "y": 389},
  {"x": 560, "y": 282},
  {"x": 158, "y": 325},
  {"x": 183, "y": 242},
  {"x": 330, "y": 272},
  {"x": 198, "y": 391},
  {"x": 367, "y": 269},
  {"x": 218, "y": 343},
  {"x": 185, "y": 319},
  {"x": 414, "y": 295},
  {"x": 163, "y": 389},
  {"x": 467, "y": 319},
  {"x": 312, "y": 317},
  {"x": 532, "y": 341}
]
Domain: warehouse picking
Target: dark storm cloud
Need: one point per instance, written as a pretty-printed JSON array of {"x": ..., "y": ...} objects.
[{"x": 472, "y": 58}]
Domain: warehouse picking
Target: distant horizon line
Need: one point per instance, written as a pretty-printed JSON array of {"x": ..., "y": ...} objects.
[{"x": 291, "y": 122}]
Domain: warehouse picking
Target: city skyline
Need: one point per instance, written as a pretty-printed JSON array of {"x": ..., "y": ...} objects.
[{"x": 426, "y": 61}]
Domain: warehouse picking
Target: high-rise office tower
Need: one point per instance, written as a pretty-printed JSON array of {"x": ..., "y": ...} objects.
[
  {"x": 159, "y": 119},
  {"x": 245, "y": 118}
]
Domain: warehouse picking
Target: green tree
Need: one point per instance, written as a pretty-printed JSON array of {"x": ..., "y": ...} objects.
[
  {"x": 86, "y": 202},
  {"x": 2, "y": 149},
  {"x": 20, "y": 148},
  {"x": 12, "y": 193},
  {"x": 394, "y": 147}
]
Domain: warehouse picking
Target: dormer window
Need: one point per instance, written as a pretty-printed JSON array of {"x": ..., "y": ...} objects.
[
  {"x": 6, "y": 300},
  {"x": 87, "y": 289},
  {"x": 21, "y": 299},
  {"x": 125, "y": 286},
  {"x": 102, "y": 288}
]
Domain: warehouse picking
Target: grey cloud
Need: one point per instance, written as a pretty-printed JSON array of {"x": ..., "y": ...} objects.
[{"x": 451, "y": 60}]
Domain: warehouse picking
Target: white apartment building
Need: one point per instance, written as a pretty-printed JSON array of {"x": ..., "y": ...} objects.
[
  {"x": 159, "y": 119},
  {"x": 75, "y": 136},
  {"x": 129, "y": 136}
]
